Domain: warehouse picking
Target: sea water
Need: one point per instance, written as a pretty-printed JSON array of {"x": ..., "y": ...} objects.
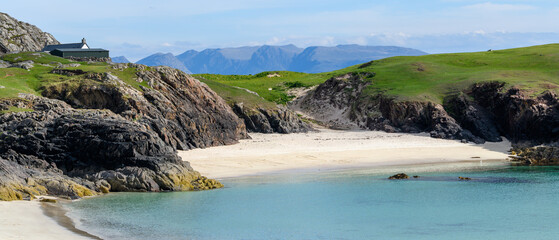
[{"x": 500, "y": 202}]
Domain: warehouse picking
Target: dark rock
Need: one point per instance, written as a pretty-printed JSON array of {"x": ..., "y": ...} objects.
[
  {"x": 536, "y": 156},
  {"x": 68, "y": 72},
  {"x": 399, "y": 176},
  {"x": 183, "y": 112},
  {"x": 331, "y": 103},
  {"x": 472, "y": 117},
  {"x": 48, "y": 200},
  {"x": 520, "y": 117},
  {"x": 75, "y": 153},
  {"x": 279, "y": 120},
  {"x": 464, "y": 178}
]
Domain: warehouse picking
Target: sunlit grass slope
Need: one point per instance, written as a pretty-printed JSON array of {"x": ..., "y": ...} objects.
[{"x": 424, "y": 78}]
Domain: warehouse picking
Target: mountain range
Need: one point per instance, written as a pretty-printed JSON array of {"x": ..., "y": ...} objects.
[
  {"x": 120, "y": 59},
  {"x": 256, "y": 59}
]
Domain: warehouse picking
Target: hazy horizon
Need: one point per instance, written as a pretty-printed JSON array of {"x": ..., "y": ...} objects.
[{"x": 137, "y": 29}]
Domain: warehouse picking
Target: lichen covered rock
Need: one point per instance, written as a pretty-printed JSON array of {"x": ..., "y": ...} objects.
[{"x": 17, "y": 36}]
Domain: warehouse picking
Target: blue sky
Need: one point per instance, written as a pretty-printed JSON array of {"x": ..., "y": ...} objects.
[{"x": 138, "y": 28}]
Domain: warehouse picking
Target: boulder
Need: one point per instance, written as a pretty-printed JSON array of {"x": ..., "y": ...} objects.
[{"x": 399, "y": 176}]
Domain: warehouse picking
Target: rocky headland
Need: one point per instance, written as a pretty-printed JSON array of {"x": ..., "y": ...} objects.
[{"x": 97, "y": 133}]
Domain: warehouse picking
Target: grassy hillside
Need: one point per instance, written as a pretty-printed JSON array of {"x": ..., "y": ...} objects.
[
  {"x": 425, "y": 78},
  {"x": 272, "y": 88},
  {"x": 233, "y": 94},
  {"x": 35, "y": 80}
]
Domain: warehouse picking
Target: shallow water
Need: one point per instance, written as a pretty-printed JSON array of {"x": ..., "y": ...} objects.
[{"x": 500, "y": 202}]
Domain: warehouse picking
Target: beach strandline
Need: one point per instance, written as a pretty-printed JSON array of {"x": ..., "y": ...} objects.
[{"x": 334, "y": 149}]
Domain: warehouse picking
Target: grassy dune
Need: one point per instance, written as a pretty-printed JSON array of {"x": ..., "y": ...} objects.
[{"x": 425, "y": 78}]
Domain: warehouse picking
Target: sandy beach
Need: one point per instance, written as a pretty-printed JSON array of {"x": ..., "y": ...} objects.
[
  {"x": 333, "y": 149},
  {"x": 28, "y": 220}
]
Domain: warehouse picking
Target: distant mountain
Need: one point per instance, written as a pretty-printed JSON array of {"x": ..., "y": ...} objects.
[
  {"x": 164, "y": 59},
  {"x": 325, "y": 59},
  {"x": 252, "y": 60},
  {"x": 120, "y": 59}
]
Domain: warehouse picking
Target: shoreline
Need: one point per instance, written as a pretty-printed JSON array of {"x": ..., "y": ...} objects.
[
  {"x": 270, "y": 154},
  {"x": 334, "y": 150},
  {"x": 37, "y": 220}
]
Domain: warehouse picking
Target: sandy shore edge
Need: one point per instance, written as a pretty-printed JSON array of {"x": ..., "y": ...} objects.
[
  {"x": 334, "y": 150},
  {"x": 37, "y": 220}
]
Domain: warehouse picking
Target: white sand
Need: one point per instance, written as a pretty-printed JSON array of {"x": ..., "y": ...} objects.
[
  {"x": 331, "y": 149},
  {"x": 26, "y": 220}
]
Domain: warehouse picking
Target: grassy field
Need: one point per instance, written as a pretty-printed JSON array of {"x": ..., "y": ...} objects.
[
  {"x": 33, "y": 81},
  {"x": 425, "y": 78}
]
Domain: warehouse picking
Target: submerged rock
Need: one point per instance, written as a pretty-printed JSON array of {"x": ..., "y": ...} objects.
[{"x": 399, "y": 176}]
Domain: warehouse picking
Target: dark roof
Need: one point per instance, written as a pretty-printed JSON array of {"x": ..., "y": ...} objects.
[
  {"x": 49, "y": 48},
  {"x": 81, "y": 50}
]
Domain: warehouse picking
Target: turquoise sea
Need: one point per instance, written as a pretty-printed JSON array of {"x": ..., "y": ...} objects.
[{"x": 500, "y": 202}]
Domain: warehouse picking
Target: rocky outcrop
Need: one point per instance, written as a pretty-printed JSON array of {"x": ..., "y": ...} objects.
[
  {"x": 536, "y": 156},
  {"x": 485, "y": 112},
  {"x": 331, "y": 103},
  {"x": 184, "y": 113},
  {"x": 470, "y": 115},
  {"x": 413, "y": 117},
  {"x": 340, "y": 103},
  {"x": 23, "y": 65},
  {"x": 60, "y": 151},
  {"x": 521, "y": 118},
  {"x": 262, "y": 120},
  {"x": 17, "y": 36}
]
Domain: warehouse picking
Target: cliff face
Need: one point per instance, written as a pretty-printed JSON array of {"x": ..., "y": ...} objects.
[
  {"x": 485, "y": 112},
  {"x": 17, "y": 36},
  {"x": 279, "y": 120},
  {"x": 61, "y": 151},
  {"x": 185, "y": 113},
  {"x": 520, "y": 117},
  {"x": 332, "y": 102}
]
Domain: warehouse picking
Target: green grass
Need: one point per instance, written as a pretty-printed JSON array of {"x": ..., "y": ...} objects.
[
  {"x": 43, "y": 58},
  {"x": 273, "y": 89},
  {"x": 16, "y": 109},
  {"x": 34, "y": 81},
  {"x": 427, "y": 78},
  {"x": 235, "y": 95}
]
